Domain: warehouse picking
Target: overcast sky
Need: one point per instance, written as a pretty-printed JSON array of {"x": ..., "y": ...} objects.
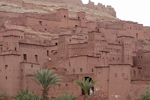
[{"x": 131, "y": 10}]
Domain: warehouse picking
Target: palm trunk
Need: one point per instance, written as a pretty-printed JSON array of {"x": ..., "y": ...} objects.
[
  {"x": 86, "y": 97},
  {"x": 45, "y": 95}
]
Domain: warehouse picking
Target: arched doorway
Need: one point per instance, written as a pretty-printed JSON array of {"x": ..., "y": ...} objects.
[{"x": 91, "y": 90}]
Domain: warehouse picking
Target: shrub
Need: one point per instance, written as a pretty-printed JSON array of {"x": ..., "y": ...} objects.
[
  {"x": 146, "y": 96},
  {"x": 66, "y": 97}
]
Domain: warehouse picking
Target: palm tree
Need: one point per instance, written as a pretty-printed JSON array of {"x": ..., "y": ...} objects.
[
  {"x": 2, "y": 96},
  {"x": 146, "y": 96},
  {"x": 46, "y": 79},
  {"x": 66, "y": 96},
  {"x": 86, "y": 84},
  {"x": 26, "y": 95}
]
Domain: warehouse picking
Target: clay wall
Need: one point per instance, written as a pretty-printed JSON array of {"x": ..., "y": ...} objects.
[
  {"x": 39, "y": 22},
  {"x": 115, "y": 53},
  {"x": 82, "y": 18},
  {"x": 141, "y": 61},
  {"x": 27, "y": 70},
  {"x": 96, "y": 61},
  {"x": 79, "y": 39},
  {"x": 73, "y": 23},
  {"x": 96, "y": 42},
  {"x": 12, "y": 32},
  {"x": 135, "y": 30},
  {"x": 10, "y": 73},
  {"x": 54, "y": 42},
  {"x": 91, "y": 25},
  {"x": 9, "y": 14},
  {"x": 34, "y": 53},
  {"x": 20, "y": 21},
  {"x": 64, "y": 40},
  {"x": 102, "y": 75},
  {"x": 79, "y": 65},
  {"x": 138, "y": 88},
  {"x": 111, "y": 34},
  {"x": 128, "y": 48},
  {"x": 119, "y": 79},
  {"x": 78, "y": 49},
  {"x": 117, "y": 26},
  {"x": 80, "y": 30}
]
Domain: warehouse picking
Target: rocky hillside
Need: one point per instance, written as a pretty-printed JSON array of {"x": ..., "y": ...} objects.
[{"x": 93, "y": 12}]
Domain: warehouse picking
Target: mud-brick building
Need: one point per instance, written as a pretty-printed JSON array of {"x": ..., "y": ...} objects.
[{"x": 114, "y": 53}]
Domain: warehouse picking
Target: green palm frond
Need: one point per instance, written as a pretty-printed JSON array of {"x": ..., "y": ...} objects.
[
  {"x": 2, "y": 96},
  {"x": 46, "y": 78},
  {"x": 146, "y": 96},
  {"x": 66, "y": 96},
  {"x": 26, "y": 95},
  {"x": 86, "y": 84}
]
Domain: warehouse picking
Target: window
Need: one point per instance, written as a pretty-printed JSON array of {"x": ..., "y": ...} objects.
[
  {"x": 69, "y": 64},
  {"x": 21, "y": 70},
  {"x": 73, "y": 70},
  {"x": 76, "y": 25},
  {"x": 80, "y": 69},
  {"x": 47, "y": 53},
  {"x": 25, "y": 57},
  {"x": 40, "y": 22},
  {"x": 36, "y": 58},
  {"x": 92, "y": 70},
  {"x": 56, "y": 44},
  {"x": 136, "y": 35},
  {"x": 6, "y": 66},
  {"x": 31, "y": 66},
  {"x": 78, "y": 17},
  {"x": 6, "y": 77},
  {"x": 15, "y": 49},
  {"x": 64, "y": 16}
]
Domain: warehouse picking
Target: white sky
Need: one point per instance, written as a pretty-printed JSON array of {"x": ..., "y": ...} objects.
[{"x": 131, "y": 10}]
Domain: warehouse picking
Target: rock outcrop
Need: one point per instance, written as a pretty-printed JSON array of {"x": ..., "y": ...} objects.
[{"x": 100, "y": 7}]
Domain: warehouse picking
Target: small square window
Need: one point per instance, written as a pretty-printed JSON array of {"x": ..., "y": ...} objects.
[
  {"x": 40, "y": 22},
  {"x": 36, "y": 58},
  {"x": 80, "y": 69},
  {"x": 6, "y": 66},
  {"x": 92, "y": 70},
  {"x": 73, "y": 70},
  {"x": 25, "y": 57}
]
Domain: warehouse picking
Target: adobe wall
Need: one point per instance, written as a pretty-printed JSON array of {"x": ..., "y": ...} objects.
[
  {"x": 119, "y": 79},
  {"x": 141, "y": 61},
  {"x": 115, "y": 53},
  {"x": 138, "y": 88},
  {"x": 10, "y": 72},
  {"x": 12, "y": 32},
  {"x": 135, "y": 30},
  {"x": 31, "y": 51},
  {"x": 78, "y": 49},
  {"x": 102, "y": 75}
]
